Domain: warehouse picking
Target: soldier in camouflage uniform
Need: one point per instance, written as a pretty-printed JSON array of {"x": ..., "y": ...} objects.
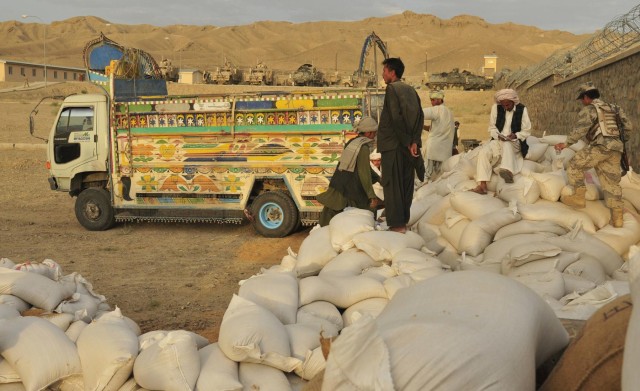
[{"x": 598, "y": 126}]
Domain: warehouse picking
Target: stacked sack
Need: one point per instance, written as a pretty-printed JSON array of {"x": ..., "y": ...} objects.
[{"x": 470, "y": 297}]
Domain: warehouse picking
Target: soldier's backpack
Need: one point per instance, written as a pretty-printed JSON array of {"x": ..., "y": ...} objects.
[{"x": 607, "y": 120}]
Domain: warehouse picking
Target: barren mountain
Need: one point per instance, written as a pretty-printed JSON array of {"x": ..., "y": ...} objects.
[{"x": 460, "y": 42}]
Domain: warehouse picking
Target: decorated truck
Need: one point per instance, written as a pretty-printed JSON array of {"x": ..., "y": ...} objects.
[{"x": 137, "y": 154}]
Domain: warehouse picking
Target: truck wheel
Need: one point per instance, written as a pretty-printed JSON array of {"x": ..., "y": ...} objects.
[
  {"x": 93, "y": 209},
  {"x": 275, "y": 215}
]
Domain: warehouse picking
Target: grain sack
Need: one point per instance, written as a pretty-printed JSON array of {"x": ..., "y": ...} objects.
[
  {"x": 8, "y": 311},
  {"x": 427, "y": 231},
  {"x": 382, "y": 245},
  {"x": 80, "y": 306},
  {"x": 303, "y": 338},
  {"x": 523, "y": 190},
  {"x": 583, "y": 306},
  {"x": 473, "y": 205},
  {"x": 553, "y": 139},
  {"x": 576, "y": 284},
  {"x": 589, "y": 268},
  {"x": 107, "y": 350},
  {"x": 479, "y": 233},
  {"x": 598, "y": 212},
  {"x": 345, "y": 225},
  {"x": 315, "y": 251},
  {"x": 171, "y": 364},
  {"x": 420, "y": 206},
  {"x": 527, "y": 252},
  {"x": 275, "y": 291},
  {"x": 557, "y": 212},
  {"x": 7, "y": 263},
  {"x": 529, "y": 227},
  {"x": 370, "y": 307},
  {"x": 593, "y": 360},
  {"x": 262, "y": 377},
  {"x": 61, "y": 321},
  {"x": 581, "y": 242},
  {"x": 48, "y": 268},
  {"x": 633, "y": 196},
  {"x": 323, "y": 315},
  {"x": 559, "y": 262},
  {"x": 348, "y": 263},
  {"x": 75, "y": 329},
  {"x": 312, "y": 365},
  {"x": 342, "y": 292},
  {"x": 499, "y": 249},
  {"x": 130, "y": 322},
  {"x": 152, "y": 337},
  {"x": 435, "y": 214},
  {"x": 550, "y": 184},
  {"x": 7, "y": 373},
  {"x": 620, "y": 239},
  {"x": 548, "y": 284},
  {"x": 252, "y": 333},
  {"x": 217, "y": 371},
  {"x": 425, "y": 190},
  {"x": 453, "y": 227},
  {"x": 536, "y": 152},
  {"x": 380, "y": 273},
  {"x": 394, "y": 284},
  {"x": 529, "y": 167},
  {"x": 33, "y": 288},
  {"x": 410, "y": 260},
  {"x": 38, "y": 364},
  {"x": 418, "y": 344},
  {"x": 631, "y": 362},
  {"x": 449, "y": 181}
]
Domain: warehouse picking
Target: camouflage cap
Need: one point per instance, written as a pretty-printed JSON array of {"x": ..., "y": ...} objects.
[{"x": 584, "y": 88}]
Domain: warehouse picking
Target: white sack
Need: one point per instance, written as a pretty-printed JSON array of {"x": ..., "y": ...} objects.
[
  {"x": 371, "y": 307},
  {"x": 7, "y": 373},
  {"x": 499, "y": 249},
  {"x": 323, "y": 315},
  {"x": 38, "y": 350},
  {"x": 8, "y": 311},
  {"x": 75, "y": 329},
  {"x": 478, "y": 234},
  {"x": 14, "y": 301},
  {"x": 48, "y": 268},
  {"x": 523, "y": 190},
  {"x": 347, "y": 224},
  {"x": 342, "y": 292},
  {"x": 598, "y": 212},
  {"x": 171, "y": 364},
  {"x": 315, "y": 251},
  {"x": 262, "y": 377},
  {"x": 418, "y": 344},
  {"x": 551, "y": 184},
  {"x": 549, "y": 284},
  {"x": 631, "y": 361},
  {"x": 474, "y": 205},
  {"x": 348, "y": 263},
  {"x": 107, "y": 350},
  {"x": 152, "y": 337},
  {"x": 217, "y": 371},
  {"x": 382, "y": 245},
  {"x": 33, "y": 288},
  {"x": 251, "y": 333},
  {"x": 313, "y": 364},
  {"x": 526, "y": 252},
  {"x": 529, "y": 227},
  {"x": 556, "y": 212},
  {"x": 620, "y": 239},
  {"x": 588, "y": 268},
  {"x": 275, "y": 291}
]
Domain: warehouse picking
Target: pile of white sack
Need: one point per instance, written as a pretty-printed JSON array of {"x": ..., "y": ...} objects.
[{"x": 470, "y": 298}]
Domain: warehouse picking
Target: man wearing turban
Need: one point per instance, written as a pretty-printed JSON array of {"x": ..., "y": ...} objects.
[
  {"x": 351, "y": 184},
  {"x": 441, "y": 133},
  {"x": 509, "y": 127}
]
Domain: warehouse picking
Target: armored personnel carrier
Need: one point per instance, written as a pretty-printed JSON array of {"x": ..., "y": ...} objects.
[{"x": 455, "y": 79}]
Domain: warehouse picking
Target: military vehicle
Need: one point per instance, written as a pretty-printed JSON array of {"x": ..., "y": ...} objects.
[
  {"x": 455, "y": 79},
  {"x": 308, "y": 75},
  {"x": 169, "y": 73},
  {"x": 227, "y": 74},
  {"x": 259, "y": 75}
]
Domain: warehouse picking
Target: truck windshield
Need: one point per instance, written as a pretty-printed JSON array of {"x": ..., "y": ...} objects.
[{"x": 72, "y": 119}]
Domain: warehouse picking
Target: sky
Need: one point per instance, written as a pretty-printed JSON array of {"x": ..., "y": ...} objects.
[{"x": 575, "y": 16}]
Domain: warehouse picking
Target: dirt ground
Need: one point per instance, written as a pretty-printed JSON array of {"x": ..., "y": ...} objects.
[{"x": 163, "y": 276}]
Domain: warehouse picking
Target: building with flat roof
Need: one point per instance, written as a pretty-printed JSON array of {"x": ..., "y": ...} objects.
[{"x": 20, "y": 71}]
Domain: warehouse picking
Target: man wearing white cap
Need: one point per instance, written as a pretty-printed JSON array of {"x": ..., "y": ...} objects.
[
  {"x": 351, "y": 184},
  {"x": 509, "y": 127},
  {"x": 441, "y": 133}
]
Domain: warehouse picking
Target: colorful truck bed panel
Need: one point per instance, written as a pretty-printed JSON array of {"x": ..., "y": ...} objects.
[{"x": 207, "y": 153}]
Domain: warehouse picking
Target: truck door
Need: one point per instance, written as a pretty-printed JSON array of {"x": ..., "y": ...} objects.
[{"x": 74, "y": 142}]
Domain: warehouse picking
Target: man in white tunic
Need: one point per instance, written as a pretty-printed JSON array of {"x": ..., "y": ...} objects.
[
  {"x": 441, "y": 132},
  {"x": 509, "y": 127}
]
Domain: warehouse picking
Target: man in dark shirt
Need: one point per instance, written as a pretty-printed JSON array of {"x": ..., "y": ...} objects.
[{"x": 399, "y": 143}]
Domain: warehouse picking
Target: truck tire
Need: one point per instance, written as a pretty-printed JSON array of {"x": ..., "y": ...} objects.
[
  {"x": 275, "y": 215},
  {"x": 93, "y": 209}
]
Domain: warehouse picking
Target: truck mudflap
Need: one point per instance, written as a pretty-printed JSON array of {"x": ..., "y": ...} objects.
[
  {"x": 52, "y": 183},
  {"x": 180, "y": 216}
]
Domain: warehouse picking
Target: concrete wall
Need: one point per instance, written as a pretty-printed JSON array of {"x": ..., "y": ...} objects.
[{"x": 553, "y": 106}]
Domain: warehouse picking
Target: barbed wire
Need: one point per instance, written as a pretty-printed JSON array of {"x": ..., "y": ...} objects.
[{"x": 620, "y": 34}]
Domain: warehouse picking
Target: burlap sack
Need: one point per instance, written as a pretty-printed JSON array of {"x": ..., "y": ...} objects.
[{"x": 593, "y": 361}]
